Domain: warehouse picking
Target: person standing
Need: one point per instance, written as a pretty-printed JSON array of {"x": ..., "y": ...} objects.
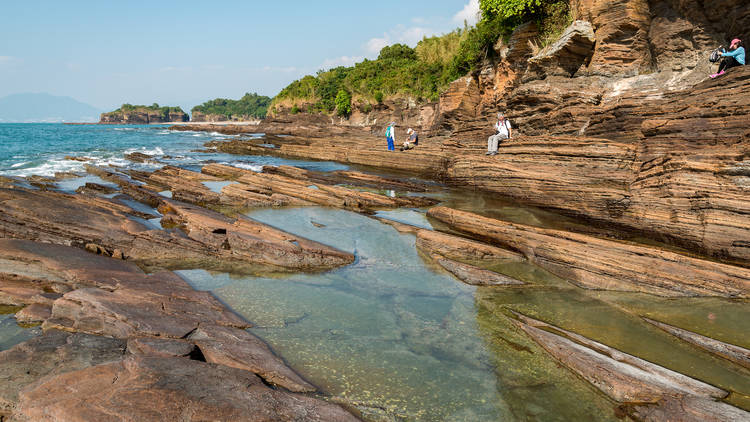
[
  {"x": 390, "y": 136},
  {"x": 734, "y": 57},
  {"x": 503, "y": 131}
]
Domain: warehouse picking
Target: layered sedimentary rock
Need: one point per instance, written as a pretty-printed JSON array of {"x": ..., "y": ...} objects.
[
  {"x": 564, "y": 57},
  {"x": 604, "y": 264},
  {"x": 105, "y": 227},
  {"x": 139, "y": 347},
  {"x": 648, "y": 392}
]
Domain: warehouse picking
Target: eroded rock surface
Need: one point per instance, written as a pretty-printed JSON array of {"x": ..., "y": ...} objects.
[
  {"x": 605, "y": 264},
  {"x": 650, "y": 392},
  {"x": 126, "y": 345}
]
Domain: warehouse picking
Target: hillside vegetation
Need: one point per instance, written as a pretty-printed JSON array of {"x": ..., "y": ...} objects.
[
  {"x": 426, "y": 70},
  {"x": 130, "y": 108},
  {"x": 250, "y": 105}
]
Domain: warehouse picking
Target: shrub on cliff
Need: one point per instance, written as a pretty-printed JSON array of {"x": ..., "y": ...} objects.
[
  {"x": 250, "y": 105},
  {"x": 130, "y": 108},
  {"x": 343, "y": 103}
]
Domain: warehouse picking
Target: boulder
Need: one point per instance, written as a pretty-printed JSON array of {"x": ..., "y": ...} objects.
[{"x": 565, "y": 56}]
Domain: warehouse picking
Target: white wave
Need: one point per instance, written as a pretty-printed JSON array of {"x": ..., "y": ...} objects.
[
  {"x": 48, "y": 168},
  {"x": 19, "y": 164},
  {"x": 144, "y": 150},
  {"x": 254, "y": 167}
]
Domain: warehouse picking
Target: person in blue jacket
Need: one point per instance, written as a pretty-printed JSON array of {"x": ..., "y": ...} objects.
[
  {"x": 390, "y": 136},
  {"x": 734, "y": 57}
]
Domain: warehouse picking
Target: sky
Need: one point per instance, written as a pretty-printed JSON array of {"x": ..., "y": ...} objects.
[{"x": 106, "y": 53}]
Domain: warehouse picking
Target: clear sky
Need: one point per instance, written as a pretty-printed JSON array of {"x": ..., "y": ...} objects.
[{"x": 108, "y": 52}]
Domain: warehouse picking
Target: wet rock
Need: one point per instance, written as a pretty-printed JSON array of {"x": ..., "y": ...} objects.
[
  {"x": 34, "y": 313},
  {"x": 240, "y": 349},
  {"x": 250, "y": 240},
  {"x": 458, "y": 248},
  {"x": 55, "y": 352},
  {"x": 139, "y": 157},
  {"x": 652, "y": 392},
  {"x": 475, "y": 276},
  {"x": 157, "y": 389},
  {"x": 95, "y": 189},
  {"x": 736, "y": 354},
  {"x": 311, "y": 190},
  {"x": 604, "y": 264}
]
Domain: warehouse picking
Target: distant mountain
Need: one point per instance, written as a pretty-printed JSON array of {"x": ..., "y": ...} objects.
[{"x": 46, "y": 108}]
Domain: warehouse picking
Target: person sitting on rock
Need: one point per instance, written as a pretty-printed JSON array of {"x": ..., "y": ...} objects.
[
  {"x": 504, "y": 131},
  {"x": 390, "y": 136},
  {"x": 734, "y": 57},
  {"x": 412, "y": 141}
]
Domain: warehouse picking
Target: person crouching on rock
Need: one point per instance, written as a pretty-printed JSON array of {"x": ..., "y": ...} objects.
[
  {"x": 504, "y": 131},
  {"x": 734, "y": 57},
  {"x": 413, "y": 140},
  {"x": 390, "y": 136}
]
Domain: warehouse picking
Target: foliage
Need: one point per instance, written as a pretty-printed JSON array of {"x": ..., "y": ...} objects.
[
  {"x": 343, "y": 103},
  {"x": 130, "y": 108},
  {"x": 249, "y": 105},
  {"x": 424, "y": 71},
  {"x": 295, "y": 109}
]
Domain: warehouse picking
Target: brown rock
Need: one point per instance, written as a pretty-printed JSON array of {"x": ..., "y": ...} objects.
[
  {"x": 158, "y": 389},
  {"x": 54, "y": 352},
  {"x": 240, "y": 349},
  {"x": 565, "y": 56},
  {"x": 653, "y": 393},
  {"x": 160, "y": 347},
  {"x": 34, "y": 313},
  {"x": 604, "y": 264},
  {"x": 458, "y": 248},
  {"x": 475, "y": 276}
]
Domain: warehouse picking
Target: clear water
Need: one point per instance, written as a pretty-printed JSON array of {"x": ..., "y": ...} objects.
[{"x": 392, "y": 334}]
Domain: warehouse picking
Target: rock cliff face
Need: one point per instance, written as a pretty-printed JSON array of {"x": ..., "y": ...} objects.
[{"x": 203, "y": 117}]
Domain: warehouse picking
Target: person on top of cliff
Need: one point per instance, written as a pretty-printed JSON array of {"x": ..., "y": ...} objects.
[
  {"x": 412, "y": 141},
  {"x": 734, "y": 57},
  {"x": 390, "y": 136},
  {"x": 504, "y": 131}
]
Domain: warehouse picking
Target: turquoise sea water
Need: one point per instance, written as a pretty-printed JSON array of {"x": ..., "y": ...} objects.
[{"x": 40, "y": 149}]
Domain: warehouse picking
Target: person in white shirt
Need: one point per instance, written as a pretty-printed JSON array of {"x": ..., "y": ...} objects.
[{"x": 504, "y": 131}]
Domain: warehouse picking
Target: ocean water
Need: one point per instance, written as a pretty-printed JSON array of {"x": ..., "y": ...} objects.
[{"x": 40, "y": 149}]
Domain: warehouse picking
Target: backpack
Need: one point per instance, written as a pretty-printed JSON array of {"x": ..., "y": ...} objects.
[
  {"x": 715, "y": 57},
  {"x": 388, "y": 132}
]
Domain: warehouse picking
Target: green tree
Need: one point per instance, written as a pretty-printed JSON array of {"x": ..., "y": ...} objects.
[{"x": 343, "y": 103}]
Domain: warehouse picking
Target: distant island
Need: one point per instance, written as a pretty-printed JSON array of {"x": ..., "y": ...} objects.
[
  {"x": 141, "y": 114},
  {"x": 45, "y": 108},
  {"x": 249, "y": 107}
]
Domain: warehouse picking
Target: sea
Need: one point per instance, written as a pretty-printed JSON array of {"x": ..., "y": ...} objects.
[{"x": 41, "y": 149}]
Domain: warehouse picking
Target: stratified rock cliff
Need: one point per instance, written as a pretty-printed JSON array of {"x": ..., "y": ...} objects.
[{"x": 140, "y": 114}]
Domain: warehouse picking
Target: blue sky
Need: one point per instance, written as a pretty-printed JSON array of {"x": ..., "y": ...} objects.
[{"x": 105, "y": 53}]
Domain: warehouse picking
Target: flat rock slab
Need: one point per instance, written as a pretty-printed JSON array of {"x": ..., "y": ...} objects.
[
  {"x": 736, "y": 354},
  {"x": 475, "y": 276},
  {"x": 652, "y": 393},
  {"x": 455, "y": 247},
  {"x": 240, "y": 349},
  {"x": 604, "y": 264},
  {"x": 146, "y": 389},
  {"x": 55, "y": 352}
]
